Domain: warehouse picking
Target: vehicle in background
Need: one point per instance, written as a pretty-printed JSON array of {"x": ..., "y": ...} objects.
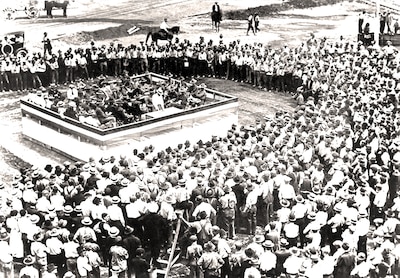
[
  {"x": 31, "y": 8},
  {"x": 13, "y": 44}
]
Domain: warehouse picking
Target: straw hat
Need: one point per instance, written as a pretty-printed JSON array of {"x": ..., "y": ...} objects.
[
  {"x": 86, "y": 221},
  {"x": 268, "y": 244},
  {"x": 29, "y": 260},
  {"x": 113, "y": 232},
  {"x": 115, "y": 200},
  {"x": 285, "y": 203},
  {"x": 34, "y": 218}
]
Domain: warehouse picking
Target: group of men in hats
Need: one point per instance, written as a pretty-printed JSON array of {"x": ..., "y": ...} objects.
[{"x": 322, "y": 183}]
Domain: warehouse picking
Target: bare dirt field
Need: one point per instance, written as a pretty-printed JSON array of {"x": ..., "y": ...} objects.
[{"x": 106, "y": 21}]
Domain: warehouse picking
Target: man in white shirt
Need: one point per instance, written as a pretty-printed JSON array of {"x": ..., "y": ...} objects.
[
  {"x": 268, "y": 259},
  {"x": 72, "y": 92},
  {"x": 164, "y": 27}
]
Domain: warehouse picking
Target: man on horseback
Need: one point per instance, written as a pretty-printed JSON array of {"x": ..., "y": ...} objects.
[
  {"x": 164, "y": 28},
  {"x": 165, "y": 33},
  {"x": 215, "y": 8},
  {"x": 216, "y": 16}
]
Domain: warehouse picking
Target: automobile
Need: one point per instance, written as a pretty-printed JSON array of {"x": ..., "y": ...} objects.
[{"x": 13, "y": 43}]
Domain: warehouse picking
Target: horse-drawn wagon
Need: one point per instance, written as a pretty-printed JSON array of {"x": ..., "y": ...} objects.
[
  {"x": 11, "y": 9},
  {"x": 32, "y": 8}
]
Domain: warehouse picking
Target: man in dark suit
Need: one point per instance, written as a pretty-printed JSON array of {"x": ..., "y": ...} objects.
[
  {"x": 216, "y": 15},
  {"x": 345, "y": 263},
  {"x": 216, "y": 8}
]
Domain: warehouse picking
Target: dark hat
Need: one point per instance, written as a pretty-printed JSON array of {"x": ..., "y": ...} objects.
[
  {"x": 285, "y": 203},
  {"x": 140, "y": 251},
  {"x": 299, "y": 199},
  {"x": 4, "y": 235},
  {"x": 345, "y": 246},
  {"x": 128, "y": 230}
]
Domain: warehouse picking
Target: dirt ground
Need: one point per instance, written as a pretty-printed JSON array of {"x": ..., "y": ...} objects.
[{"x": 106, "y": 21}]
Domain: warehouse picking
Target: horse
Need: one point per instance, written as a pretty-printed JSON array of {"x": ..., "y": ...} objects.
[
  {"x": 49, "y": 5},
  {"x": 156, "y": 233},
  {"x": 162, "y": 35},
  {"x": 216, "y": 18}
]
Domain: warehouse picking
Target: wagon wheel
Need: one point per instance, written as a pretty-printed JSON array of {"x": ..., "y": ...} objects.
[
  {"x": 7, "y": 49},
  {"x": 32, "y": 12},
  {"x": 21, "y": 53},
  {"x": 9, "y": 13}
]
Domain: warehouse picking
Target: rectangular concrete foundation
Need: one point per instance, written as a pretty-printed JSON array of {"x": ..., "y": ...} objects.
[{"x": 161, "y": 129}]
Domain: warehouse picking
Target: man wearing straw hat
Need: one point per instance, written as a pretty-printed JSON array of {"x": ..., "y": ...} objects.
[
  {"x": 28, "y": 268},
  {"x": 119, "y": 259},
  {"x": 85, "y": 233},
  {"x": 210, "y": 262}
]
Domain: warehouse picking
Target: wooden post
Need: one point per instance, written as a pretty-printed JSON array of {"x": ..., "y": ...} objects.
[
  {"x": 171, "y": 256},
  {"x": 377, "y": 22}
]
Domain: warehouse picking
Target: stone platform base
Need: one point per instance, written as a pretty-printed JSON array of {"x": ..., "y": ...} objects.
[{"x": 161, "y": 129}]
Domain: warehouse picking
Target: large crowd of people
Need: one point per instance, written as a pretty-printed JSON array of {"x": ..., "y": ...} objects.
[
  {"x": 322, "y": 184},
  {"x": 258, "y": 64}
]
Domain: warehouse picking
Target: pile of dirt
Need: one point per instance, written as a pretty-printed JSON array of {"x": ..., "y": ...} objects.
[
  {"x": 268, "y": 10},
  {"x": 109, "y": 33}
]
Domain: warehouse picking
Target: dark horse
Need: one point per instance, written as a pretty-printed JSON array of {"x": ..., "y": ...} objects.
[
  {"x": 155, "y": 233},
  {"x": 49, "y": 5},
  {"x": 216, "y": 18},
  {"x": 162, "y": 35}
]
